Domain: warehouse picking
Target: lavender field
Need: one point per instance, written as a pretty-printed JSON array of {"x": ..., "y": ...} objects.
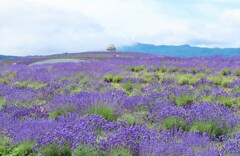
[{"x": 130, "y": 105}]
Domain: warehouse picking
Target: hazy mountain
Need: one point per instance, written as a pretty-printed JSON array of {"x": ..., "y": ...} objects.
[
  {"x": 181, "y": 51},
  {"x": 2, "y": 57}
]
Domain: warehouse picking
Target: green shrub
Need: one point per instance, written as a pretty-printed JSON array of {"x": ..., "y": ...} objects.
[
  {"x": 136, "y": 68},
  {"x": 147, "y": 76},
  {"x": 117, "y": 78},
  {"x": 184, "y": 79},
  {"x": 227, "y": 80},
  {"x": 53, "y": 150},
  {"x": 106, "y": 112},
  {"x": 21, "y": 84},
  {"x": 209, "y": 126},
  {"x": 127, "y": 86},
  {"x": 236, "y": 90},
  {"x": 129, "y": 118},
  {"x": 163, "y": 70},
  {"x": 85, "y": 80},
  {"x": 183, "y": 70},
  {"x": 209, "y": 98},
  {"x": 76, "y": 90},
  {"x": 113, "y": 78},
  {"x": 31, "y": 84},
  {"x": 226, "y": 72},
  {"x": 193, "y": 80},
  {"x": 2, "y": 101},
  {"x": 84, "y": 150},
  {"x": 5, "y": 149},
  {"x": 237, "y": 72},
  {"x": 184, "y": 99},
  {"x": 215, "y": 80},
  {"x": 172, "y": 69},
  {"x": 173, "y": 122},
  {"x": 24, "y": 149},
  {"x": 55, "y": 114},
  {"x": 229, "y": 101},
  {"x": 36, "y": 85},
  {"x": 158, "y": 75},
  {"x": 4, "y": 80},
  {"x": 50, "y": 150},
  {"x": 194, "y": 70},
  {"x": 200, "y": 75},
  {"x": 208, "y": 70},
  {"x": 6, "y": 76},
  {"x": 108, "y": 78},
  {"x": 120, "y": 152}
]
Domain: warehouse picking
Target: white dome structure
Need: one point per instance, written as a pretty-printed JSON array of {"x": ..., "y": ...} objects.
[{"x": 111, "y": 48}]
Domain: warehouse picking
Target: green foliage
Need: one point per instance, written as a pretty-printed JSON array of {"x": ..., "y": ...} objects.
[
  {"x": 36, "y": 85},
  {"x": 227, "y": 80},
  {"x": 209, "y": 98},
  {"x": 84, "y": 150},
  {"x": 24, "y": 149},
  {"x": 21, "y": 84},
  {"x": 6, "y": 76},
  {"x": 106, "y": 112},
  {"x": 2, "y": 101},
  {"x": 220, "y": 80},
  {"x": 184, "y": 79},
  {"x": 108, "y": 78},
  {"x": 226, "y": 72},
  {"x": 127, "y": 86},
  {"x": 85, "y": 80},
  {"x": 158, "y": 75},
  {"x": 136, "y": 68},
  {"x": 120, "y": 152},
  {"x": 117, "y": 78},
  {"x": 5, "y": 149},
  {"x": 236, "y": 90},
  {"x": 113, "y": 78},
  {"x": 129, "y": 118},
  {"x": 208, "y": 70},
  {"x": 237, "y": 72},
  {"x": 139, "y": 116},
  {"x": 215, "y": 80},
  {"x": 55, "y": 114},
  {"x": 183, "y": 99},
  {"x": 200, "y": 75},
  {"x": 229, "y": 101},
  {"x": 31, "y": 84},
  {"x": 147, "y": 76},
  {"x": 193, "y": 80},
  {"x": 163, "y": 70},
  {"x": 209, "y": 126},
  {"x": 53, "y": 150},
  {"x": 194, "y": 70},
  {"x": 172, "y": 69},
  {"x": 76, "y": 90},
  {"x": 4, "y": 80},
  {"x": 173, "y": 122}
]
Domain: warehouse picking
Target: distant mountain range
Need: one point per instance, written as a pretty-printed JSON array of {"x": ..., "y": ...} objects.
[
  {"x": 3, "y": 57},
  {"x": 168, "y": 50},
  {"x": 180, "y": 51}
]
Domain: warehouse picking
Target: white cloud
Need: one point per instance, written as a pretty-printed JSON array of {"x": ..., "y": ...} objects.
[{"x": 55, "y": 26}]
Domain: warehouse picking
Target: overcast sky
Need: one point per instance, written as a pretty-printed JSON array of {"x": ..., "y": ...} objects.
[{"x": 36, "y": 27}]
